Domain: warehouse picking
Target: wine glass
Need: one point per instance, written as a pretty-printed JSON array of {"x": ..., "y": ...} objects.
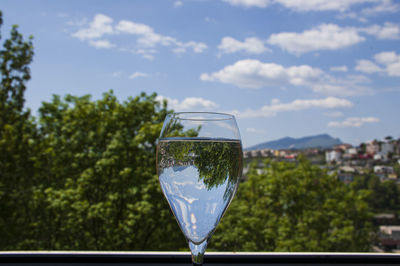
[{"x": 199, "y": 165}]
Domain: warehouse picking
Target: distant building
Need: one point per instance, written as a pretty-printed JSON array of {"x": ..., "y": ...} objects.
[
  {"x": 380, "y": 157},
  {"x": 291, "y": 157},
  {"x": 311, "y": 152},
  {"x": 365, "y": 156},
  {"x": 372, "y": 147},
  {"x": 266, "y": 153},
  {"x": 283, "y": 153},
  {"x": 385, "y": 219},
  {"x": 346, "y": 174},
  {"x": 389, "y": 236},
  {"x": 333, "y": 156},
  {"x": 352, "y": 151},
  {"x": 344, "y": 147},
  {"x": 384, "y": 171},
  {"x": 386, "y": 148},
  {"x": 255, "y": 153}
]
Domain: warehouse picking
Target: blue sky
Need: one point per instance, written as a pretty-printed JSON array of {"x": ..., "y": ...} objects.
[{"x": 283, "y": 67}]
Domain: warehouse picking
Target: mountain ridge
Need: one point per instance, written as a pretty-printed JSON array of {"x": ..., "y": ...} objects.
[{"x": 316, "y": 141}]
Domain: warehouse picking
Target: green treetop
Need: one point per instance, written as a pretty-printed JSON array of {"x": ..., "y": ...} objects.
[{"x": 294, "y": 207}]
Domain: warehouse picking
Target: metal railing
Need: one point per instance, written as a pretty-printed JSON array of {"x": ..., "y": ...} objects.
[{"x": 183, "y": 258}]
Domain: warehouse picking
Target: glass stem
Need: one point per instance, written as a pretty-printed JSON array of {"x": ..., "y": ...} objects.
[{"x": 197, "y": 251}]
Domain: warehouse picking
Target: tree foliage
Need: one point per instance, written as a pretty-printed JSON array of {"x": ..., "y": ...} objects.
[
  {"x": 385, "y": 195},
  {"x": 99, "y": 184},
  {"x": 17, "y": 138},
  {"x": 295, "y": 207}
]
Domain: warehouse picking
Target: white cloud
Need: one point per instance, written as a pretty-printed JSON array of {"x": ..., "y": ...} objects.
[
  {"x": 178, "y": 4},
  {"x": 138, "y": 75},
  {"x": 322, "y": 37},
  {"x": 389, "y": 61},
  {"x": 249, "y": 3},
  {"x": 276, "y": 106},
  {"x": 320, "y": 5},
  {"x": 189, "y": 104},
  {"x": 147, "y": 39},
  {"x": 393, "y": 69},
  {"x": 100, "y": 25},
  {"x": 367, "y": 66},
  {"x": 250, "y": 73},
  {"x": 389, "y": 31},
  {"x": 146, "y": 35},
  {"x": 353, "y": 122},
  {"x": 130, "y": 27},
  {"x": 339, "y": 68},
  {"x": 387, "y": 58},
  {"x": 303, "y": 5},
  {"x": 347, "y": 86},
  {"x": 352, "y": 15},
  {"x": 250, "y": 45},
  {"x": 340, "y": 89},
  {"x": 195, "y": 46},
  {"x": 376, "y": 7},
  {"x": 198, "y": 47},
  {"x": 383, "y": 6},
  {"x": 101, "y": 44},
  {"x": 346, "y": 8}
]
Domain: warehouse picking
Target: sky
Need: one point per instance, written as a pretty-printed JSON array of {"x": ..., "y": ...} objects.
[{"x": 283, "y": 67}]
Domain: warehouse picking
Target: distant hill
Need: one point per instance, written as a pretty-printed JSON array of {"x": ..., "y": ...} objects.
[{"x": 318, "y": 141}]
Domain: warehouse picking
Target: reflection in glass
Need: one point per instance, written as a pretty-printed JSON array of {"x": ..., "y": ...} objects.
[{"x": 199, "y": 174}]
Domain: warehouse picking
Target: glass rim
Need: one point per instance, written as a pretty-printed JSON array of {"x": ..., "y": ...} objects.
[{"x": 223, "y": 116}]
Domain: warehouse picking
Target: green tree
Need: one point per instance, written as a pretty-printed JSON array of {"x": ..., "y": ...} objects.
[
  {"x": 385, "y": 195},
  {"x": 102, "y": 190},
  {"x": 17, "y": 142},
  {"x": 294, "y": 207},
  {"x": 363, "y": 148},
  {"x": 396, "y": 168}
]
